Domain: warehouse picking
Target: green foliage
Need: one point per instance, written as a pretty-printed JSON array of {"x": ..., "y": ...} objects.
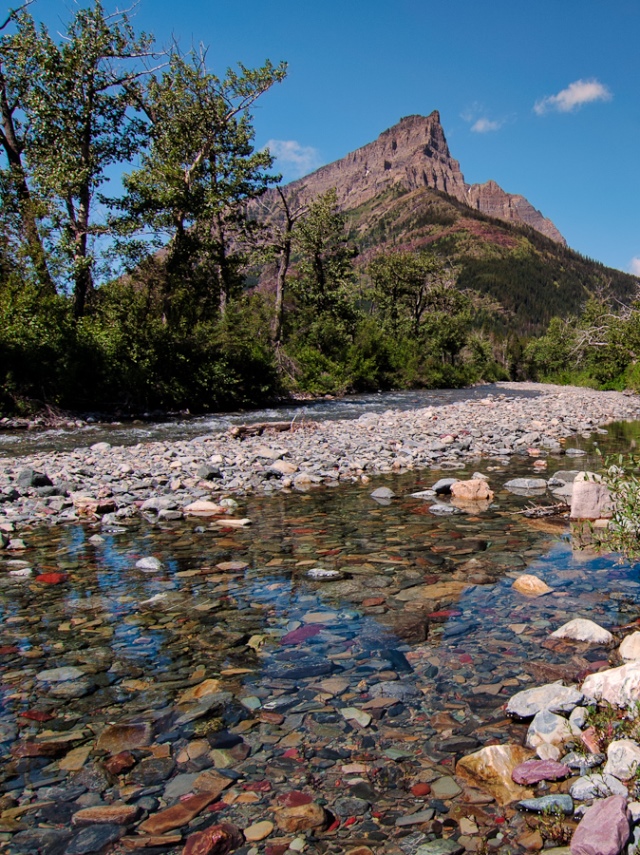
[{"x": 621, "y": 475}]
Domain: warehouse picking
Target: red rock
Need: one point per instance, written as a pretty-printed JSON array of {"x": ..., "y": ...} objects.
[
  {"x": 350, "y": 821},
  {"x": 335, "y": 825},
  {"x": 276, "y": 849},
  {"x": 373, "y": 601},
  {"x": 421, "y": 789},
  {"x": 52, "y": 578},
  {"x": 177, "y": 815},
  {"x": 120, "y": 763},
  {"x": 302, "y": 634},
  {"x": 465, "y": 659},
  {"x": 444, "y": 613},
  {"x": 258, "y": 787},
  {"x": 604, "y": 829},
  {"x": 533, "y": 771},
  {"x": 37, "y": 715},
  {"x": 216, "y": 840},
  {"x": 6, "y": 651},
  {"x": 271, "y": 717},
  {"x": 590, "y": 739},
  {"x": 39, "y": 749},
  {"x": 295, "y": 799}
]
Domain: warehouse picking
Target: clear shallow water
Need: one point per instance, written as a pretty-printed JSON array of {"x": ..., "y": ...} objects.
[
  {"x": 236, "y": 605},
  {"x": 130, "y": 433}
]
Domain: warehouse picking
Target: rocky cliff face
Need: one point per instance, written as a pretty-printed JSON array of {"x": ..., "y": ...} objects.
[
  {"x": 414, "y": 154},
  {"x": 491, "y": 199}
]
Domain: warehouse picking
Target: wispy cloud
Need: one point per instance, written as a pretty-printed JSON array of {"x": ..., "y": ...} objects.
[
  {"x": 485, "y": 126},
  {"x": 294, "y": 160},
  {"x": 634, "y": 265},
  {"x": 573, "y": 97},
  {"x": 476, "y": 115}
]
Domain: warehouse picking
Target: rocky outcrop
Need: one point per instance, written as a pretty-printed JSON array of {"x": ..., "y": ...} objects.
[
  {"x": 491, "y": 199},
  {"x": 414, "y": 154}
]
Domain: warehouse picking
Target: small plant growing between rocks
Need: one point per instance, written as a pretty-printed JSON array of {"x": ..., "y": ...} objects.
[
  {"x": 553, "y": 828},
  {"x": 621, "y": 475}
]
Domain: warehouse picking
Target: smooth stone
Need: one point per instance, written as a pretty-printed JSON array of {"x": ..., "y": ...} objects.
[
  {"x": 623, "y": 759},
  {"x": 619, "y": 686},
  {"x": 383, "y": 493},
  {"x": 475, "y": 490},
  {"x": 353, "y": 714},
  {"x": 526, "y": 486},
  {"x": 490, "y": 769},
  {"x": 445, "y": 788},
  {"x": 125, "y": 737},
  {"x": 443, "y": 486},
  {"x": 177, "y": 815},
  {"x": 440, "y": 591},
  {"x": 580, "y": 629},
  {"x": 202, "y": 690},
  {"x": 530, "y": 586},
  {"x": 440, "y": 847},
  {"x": 533, "y": 771},
  {"x": 350, "y": 806},
  {"x": 604, "y": 829},
  {"x": 549, "y": 804},
  {"x": 292, "y": 820},
  {"x": 596, "y": 785},
  {"x": 552, "y": 696},
  {"x": 119, "y": 814},
  {"x": 395, "y": 689},
  {"x": 149, "y": 564},
  {"x": 180, "y": 786},
  {"x": 94, "y": 838},
  {"x": 549, "y": 727},
  {"x": 575, "y": 760},
  {"x": 546, "y": 751},
  {"x": 629, "y": 649},
  {"x": 415, "y": 818},
  {"x": 258, "y": 831},
  {"x": 60, "y": 675}
]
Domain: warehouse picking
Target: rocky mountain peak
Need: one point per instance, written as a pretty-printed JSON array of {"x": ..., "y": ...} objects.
[{"x": 414, "y": 154}]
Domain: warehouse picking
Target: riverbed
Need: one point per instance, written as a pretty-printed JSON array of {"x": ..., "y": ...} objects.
[{"x": 310, "y": 677}]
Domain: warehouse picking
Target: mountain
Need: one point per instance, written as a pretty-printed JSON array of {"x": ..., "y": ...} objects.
[
  {"x": 412, "y": 155},
  {"x": 405, "y": 191}
]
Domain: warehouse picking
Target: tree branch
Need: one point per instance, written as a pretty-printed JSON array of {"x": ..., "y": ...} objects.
[{"x": 14, "y": 12}]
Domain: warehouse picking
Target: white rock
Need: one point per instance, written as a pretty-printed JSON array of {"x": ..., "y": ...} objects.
[
  {"x": 60, "y": 675},
  {"x": 623, "y": 759},
  {"x": 531, "y": 586},
  {"x": 149, "y": 564},
  {"x": 549, "y": 727},
  {"x": 547, "y": 751},
  {"x": 629, "y": 650},
  {"x": 619, "y": 686},
  {"x": 590, "y": 499},
  {"x": 552, "y": 696},
  {"x": 578, "y": 717},
  {"x": 580, "y": 629},
  {"x": 596, "y": 786}
]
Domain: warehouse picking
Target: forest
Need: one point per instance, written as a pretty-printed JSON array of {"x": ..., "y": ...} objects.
[{"x": 140, "y": 268}]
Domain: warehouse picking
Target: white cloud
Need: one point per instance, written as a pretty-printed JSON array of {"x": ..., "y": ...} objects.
[
  {"x": 484, "y": 126},
  {"x": 292, "y": 159},
  {"x": 634, "y": 265},
  {"x": 574, "y": 96}
]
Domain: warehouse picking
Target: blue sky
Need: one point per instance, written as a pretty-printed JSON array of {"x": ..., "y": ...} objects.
[{"x": 542, "y": 97}]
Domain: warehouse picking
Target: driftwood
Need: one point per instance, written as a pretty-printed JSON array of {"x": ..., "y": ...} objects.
[{"x": 259, "y": 428}]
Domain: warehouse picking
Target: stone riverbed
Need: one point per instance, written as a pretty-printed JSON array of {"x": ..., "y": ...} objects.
[{"x": 300, "y": 670}]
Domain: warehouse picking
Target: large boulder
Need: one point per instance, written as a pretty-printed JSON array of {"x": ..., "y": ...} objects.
[
  {"x": 490, "y": 769},
  {"x": 604, "y": 829},
  {"x": 590, "y": 499},
  {"x": 619, "y": 686},
  {"x": 552, "y": 696}
]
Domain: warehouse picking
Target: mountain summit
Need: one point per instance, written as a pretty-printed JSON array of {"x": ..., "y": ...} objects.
[{"x": 414, "y": 154}]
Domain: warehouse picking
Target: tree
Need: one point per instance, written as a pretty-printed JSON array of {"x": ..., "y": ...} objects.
[
  {"x": 325, "y": 271},
  {"x": 199, "y": 173},
  {"x": 67, "y": 115},
  {"x": 18, "y": 66}
]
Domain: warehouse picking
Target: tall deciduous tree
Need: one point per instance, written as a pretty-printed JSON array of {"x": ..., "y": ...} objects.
[
  {"x": 71, "y": 104},
  {"x": 200, "y": 171}
]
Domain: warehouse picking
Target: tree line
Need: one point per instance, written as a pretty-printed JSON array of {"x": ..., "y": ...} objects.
[{"x": 140, "y": 266}]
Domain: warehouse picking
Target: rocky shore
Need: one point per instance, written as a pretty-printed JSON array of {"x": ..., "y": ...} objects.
[{"x": 163, "y": 478}]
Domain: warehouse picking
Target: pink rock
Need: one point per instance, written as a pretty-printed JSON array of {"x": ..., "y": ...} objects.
[
  {"x": 534, "y": 771},
  {"x": 604, "y": 829},
  {"x": 299, "y": 635}
]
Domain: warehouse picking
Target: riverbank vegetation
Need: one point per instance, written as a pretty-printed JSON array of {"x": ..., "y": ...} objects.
[{"x": 140, "y": 266}]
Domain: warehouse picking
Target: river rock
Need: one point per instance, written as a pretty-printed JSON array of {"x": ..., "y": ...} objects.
[
  {"x": 549, "y": 804},
  {"x": 475, "y": 490},
  {"x": 530, "y": 586},
  {"x": 443, "y": 486},
  {"x": 596, "y": 785},
  {"x": 120, "y": 814},
  {"x": 125, "y": 737},
  {"x": 383, "y": 493},
  {"x": 590, "y": 499},
  {"x": 177, "y": 815},
  {"x": 440, "y": 592},
  {"x": 552, "y": 696},
  {"x": 580, "y": 629},
  {"x": 490, "y": 769},
  {"x": 526, "y": 486},
  {"x": 150, "y": 564},
  {"x": 604, "y": 829},
  {"x": 94, "y": 838},
  {"x": 60, "y": 675},
  {"x": 549, "y": 727},
  {"x": 533, "y": 771},
  {"x": 619, "y": 686},
  {"x": 292, "y": 820},
  {"x": 623, "y": 759},
  {"x": 629, "y": 650},
  {"x": 219, "y": 839}
]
